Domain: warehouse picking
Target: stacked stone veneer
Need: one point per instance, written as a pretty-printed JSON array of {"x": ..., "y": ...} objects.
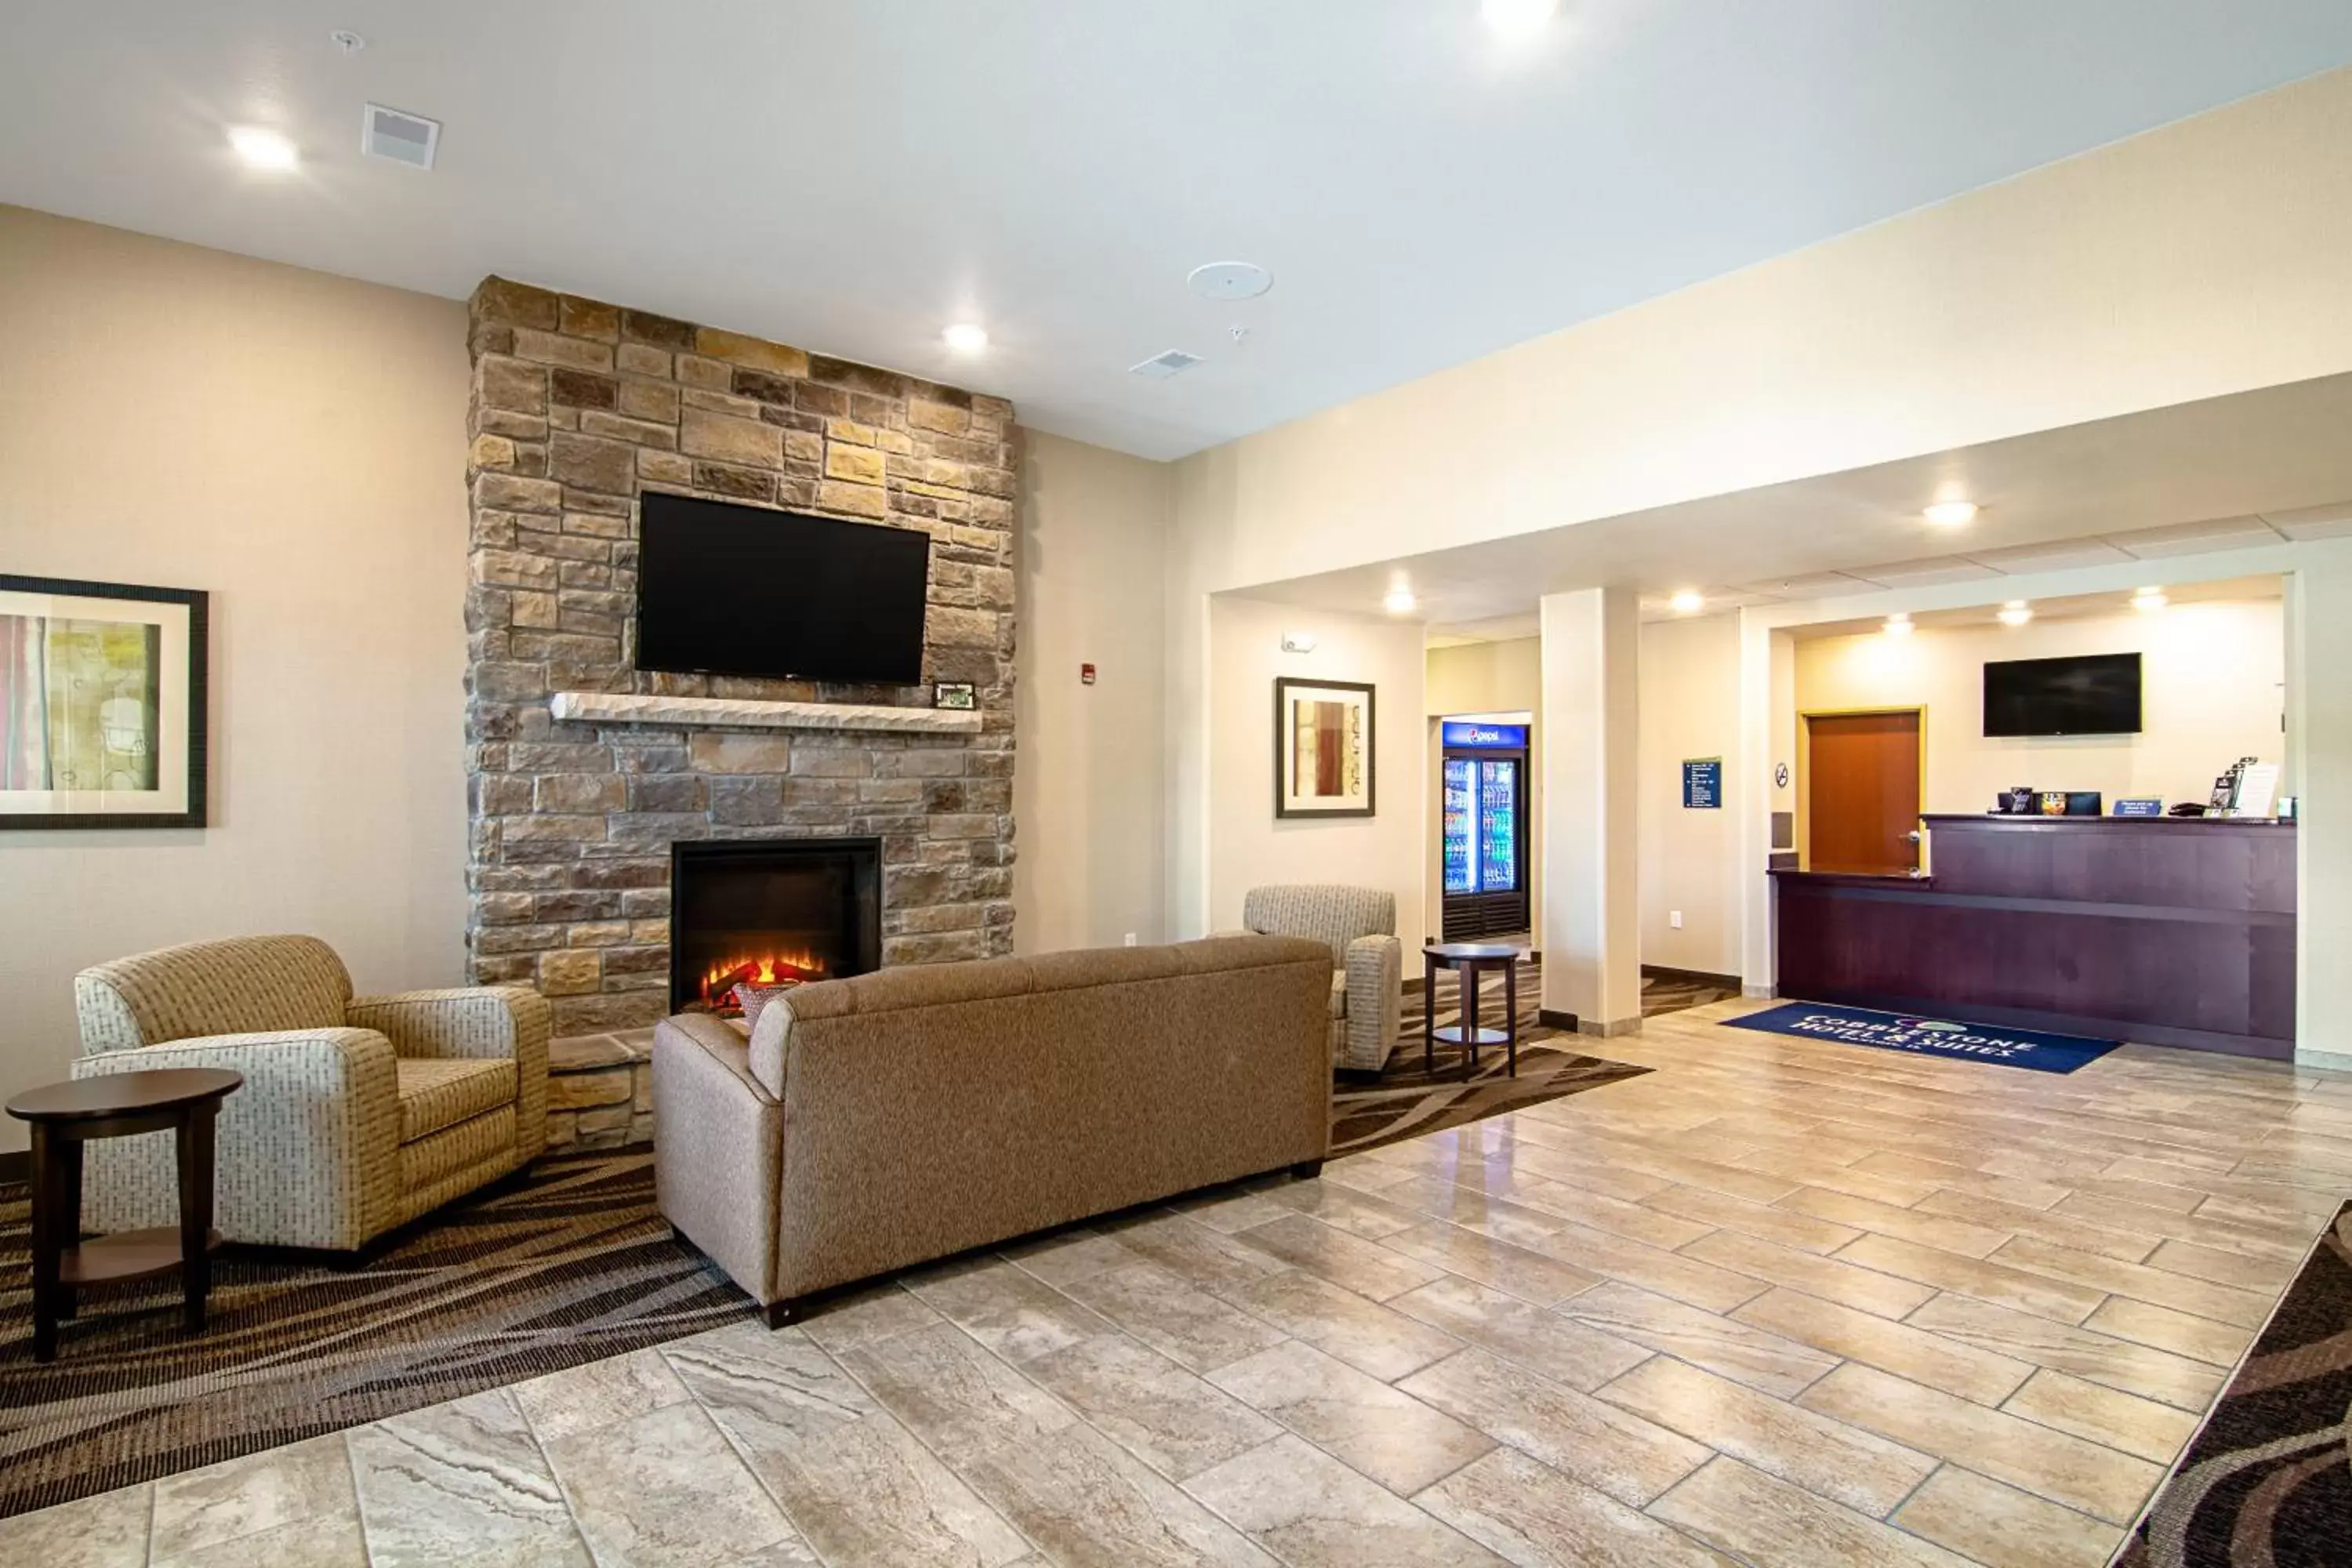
[{"x": 578, "y": 409}]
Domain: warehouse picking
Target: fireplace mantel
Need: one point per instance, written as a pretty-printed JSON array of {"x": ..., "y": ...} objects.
[{"x": 750, "y": 713}]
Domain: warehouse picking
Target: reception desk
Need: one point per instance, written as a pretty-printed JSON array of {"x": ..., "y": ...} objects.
[{"x": 2167, "y": 931}]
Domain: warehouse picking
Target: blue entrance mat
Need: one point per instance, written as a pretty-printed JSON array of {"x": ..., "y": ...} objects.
[{"x": 2028, "y": 1048}]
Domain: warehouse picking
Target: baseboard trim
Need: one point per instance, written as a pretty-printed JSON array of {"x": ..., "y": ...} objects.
[
  {"x": 17, "y": 1167},
  {"x": 1690, "y": 976},
  {"x": 1552, "y": 1018},
  {"x": 1760, "y": 993},
  {"x": 1610, "y": 1028}
]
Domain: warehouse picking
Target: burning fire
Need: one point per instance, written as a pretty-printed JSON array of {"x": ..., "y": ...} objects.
[{"x": 791, "y": 968}]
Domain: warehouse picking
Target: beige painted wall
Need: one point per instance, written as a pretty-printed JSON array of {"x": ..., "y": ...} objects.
[
  {"x": 1482, "y": 677},
  {"x": 2212, "y": 691},
  {"x": 2201, "y": 258},
  {"x": 294, "y": 444},
  {"x": 1087, "y": 789},
  {"x": 1249, "y": 845},
  {"x": 1690, "y": 857}
]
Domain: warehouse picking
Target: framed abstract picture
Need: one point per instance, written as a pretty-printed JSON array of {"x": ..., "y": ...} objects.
[
  {"x": 102, "y": 705},
  {"x": 1322, "y": 748}
]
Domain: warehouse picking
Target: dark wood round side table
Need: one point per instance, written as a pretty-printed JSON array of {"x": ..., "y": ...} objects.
[
  {"x": 64, "y": 1117},
  {"x": 1469, "y": 960}
]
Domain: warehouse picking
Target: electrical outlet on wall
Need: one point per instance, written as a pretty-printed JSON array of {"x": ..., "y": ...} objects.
[
  {"x": 1674, "y": 918},
  {"x": 1130, "y": 940}
]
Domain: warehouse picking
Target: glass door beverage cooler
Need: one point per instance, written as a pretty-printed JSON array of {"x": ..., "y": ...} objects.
[{"x": 1485, "y": 829}]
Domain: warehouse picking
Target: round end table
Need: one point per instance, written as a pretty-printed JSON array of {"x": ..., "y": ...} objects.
[
  {"x": 1469, "y": 960},
  {"x": 64, "y": 1117}
]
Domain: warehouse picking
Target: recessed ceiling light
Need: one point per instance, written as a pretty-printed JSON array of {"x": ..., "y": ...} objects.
[
  {"x": 262, "y": 148},
  {"x": 1688, "y": 601},
  {"x": 2149, "y": 599},
  {"x": 1399, "y": 602},
  {"x": 965, "y": 337},
  {"x": 1229, "y": 281},
  {"x": 1517, "y": 16},
  {"x": 1951, "y": 513},
  {"x": 2015, "y": 613},
  {"x": 1898, "y": 624}
]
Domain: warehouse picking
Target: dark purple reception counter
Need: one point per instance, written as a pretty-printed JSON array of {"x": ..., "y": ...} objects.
[{"x": 2167, "y": 931}]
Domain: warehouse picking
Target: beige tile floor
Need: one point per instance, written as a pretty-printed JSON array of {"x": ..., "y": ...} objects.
[{"x": 1778, "y": 1302}]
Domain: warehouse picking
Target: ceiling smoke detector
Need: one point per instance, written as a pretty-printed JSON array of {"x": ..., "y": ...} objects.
[
  {"x": 1229, "y": 281},
  {"x": 403, "y": 138},
  {"x": 1159, "y": 367}
]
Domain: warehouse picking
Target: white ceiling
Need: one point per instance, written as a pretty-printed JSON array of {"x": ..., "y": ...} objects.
[
  {"x": 852, "y": 175},
  {"x": 2258, "y": 468},
  {"x": 2063, "y": 607}
]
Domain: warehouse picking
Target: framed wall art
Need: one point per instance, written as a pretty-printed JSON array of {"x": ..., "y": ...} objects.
[
  {"x": 102, "y": 705},
  {"x": 1322, "y": 748}
]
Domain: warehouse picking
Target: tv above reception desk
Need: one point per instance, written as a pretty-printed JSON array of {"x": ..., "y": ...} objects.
[{"x": 2166, "y": 931}]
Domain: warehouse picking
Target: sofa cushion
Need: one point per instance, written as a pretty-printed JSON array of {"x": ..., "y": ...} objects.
[{"x": 441, "y": 1092}]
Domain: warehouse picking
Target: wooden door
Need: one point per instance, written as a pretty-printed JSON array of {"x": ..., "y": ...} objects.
[{"x": 1861, "y": 786}]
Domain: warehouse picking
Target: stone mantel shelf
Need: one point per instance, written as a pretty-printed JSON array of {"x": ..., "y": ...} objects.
[{"x": 749, "y": 713}]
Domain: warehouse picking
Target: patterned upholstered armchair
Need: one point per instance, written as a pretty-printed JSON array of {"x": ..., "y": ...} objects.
[
  {"x": 1358, "y": 925},
  {"x": 357, "y": 1114}
]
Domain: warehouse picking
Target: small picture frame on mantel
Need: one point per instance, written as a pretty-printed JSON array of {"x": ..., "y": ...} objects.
[{"x": 960, "y": 694}]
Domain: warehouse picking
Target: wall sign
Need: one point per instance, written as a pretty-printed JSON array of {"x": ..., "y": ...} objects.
[
  {"x": 1456, "y": 732},
  {"x": 1702, "y": 783}
]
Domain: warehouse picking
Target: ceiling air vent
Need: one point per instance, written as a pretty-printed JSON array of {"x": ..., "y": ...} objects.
[
  {"x": 403, "y": 138},
  {"x": 1159, "y": 367}
]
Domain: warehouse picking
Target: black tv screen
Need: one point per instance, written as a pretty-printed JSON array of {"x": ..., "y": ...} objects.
[
  {"x": 742, "y": 590},
  {"x": 2094, "y": 694}
]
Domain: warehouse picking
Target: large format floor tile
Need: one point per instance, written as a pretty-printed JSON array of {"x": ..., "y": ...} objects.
[{"x": 1778, "y": 1301}]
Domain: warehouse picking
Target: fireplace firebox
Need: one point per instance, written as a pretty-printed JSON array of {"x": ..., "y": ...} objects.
[{"x": 769, "y": 911}]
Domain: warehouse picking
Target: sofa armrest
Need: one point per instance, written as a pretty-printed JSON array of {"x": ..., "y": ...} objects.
[
  {"x": 717, "y": 1147},
  {"x": 1375, "y": 989},
  {"x": 477, "y": 1021},
  {"x": 462, "y": 1021},
  {"x": 307, "y": 1150}
]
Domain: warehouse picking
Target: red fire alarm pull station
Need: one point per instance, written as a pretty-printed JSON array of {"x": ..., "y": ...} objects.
[{"x": 1086, "y": 675}]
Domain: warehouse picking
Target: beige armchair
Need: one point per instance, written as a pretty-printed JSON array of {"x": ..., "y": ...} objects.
[
  {"x": 1358, "y": 925},
  {"x": 357, "y": 1114}
]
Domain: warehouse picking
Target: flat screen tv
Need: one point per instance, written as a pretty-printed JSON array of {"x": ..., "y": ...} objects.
[
  {"x": 2093, "y": 694},
  {"x": 742, "y": 590}
]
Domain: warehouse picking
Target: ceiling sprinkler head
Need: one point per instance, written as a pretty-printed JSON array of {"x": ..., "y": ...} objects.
[
  {"x": 1237, "y": 332},
  {"x": 347, "y": 41}
]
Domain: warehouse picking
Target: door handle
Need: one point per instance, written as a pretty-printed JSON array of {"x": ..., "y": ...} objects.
[{"x": 1913, "y": 835}]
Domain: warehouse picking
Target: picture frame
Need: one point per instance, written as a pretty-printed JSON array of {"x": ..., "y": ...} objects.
[
  {"x": 960, "y": 694},
  {"x": 1324, "y": 733},
  {"x": 104, "y": 690}
]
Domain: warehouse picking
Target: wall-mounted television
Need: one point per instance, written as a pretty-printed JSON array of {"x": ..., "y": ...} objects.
[
  {"x": 742, "y": 590},
  {"x": 2091, "y": 694}
]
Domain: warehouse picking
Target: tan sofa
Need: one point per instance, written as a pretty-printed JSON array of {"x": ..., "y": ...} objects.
[
  {"x": 887, "y": 1119},
  {"x": 358, "y": 1113}
]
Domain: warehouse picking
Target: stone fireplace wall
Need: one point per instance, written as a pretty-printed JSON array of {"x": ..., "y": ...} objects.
[{"x": 579, "y": 406}]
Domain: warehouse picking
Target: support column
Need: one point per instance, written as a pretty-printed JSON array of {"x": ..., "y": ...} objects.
[
  {"x": 1592, "y": 905},
  {"x": 2319, "y": 770}
]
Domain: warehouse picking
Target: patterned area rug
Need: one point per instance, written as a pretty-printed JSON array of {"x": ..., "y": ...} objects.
[
  {"x": 1672, "y": 991},
  {"x": 570, "y": 1265},
  {"x": 2267, "y": 1480},
  {"x": 1409, "y": 1098}
]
